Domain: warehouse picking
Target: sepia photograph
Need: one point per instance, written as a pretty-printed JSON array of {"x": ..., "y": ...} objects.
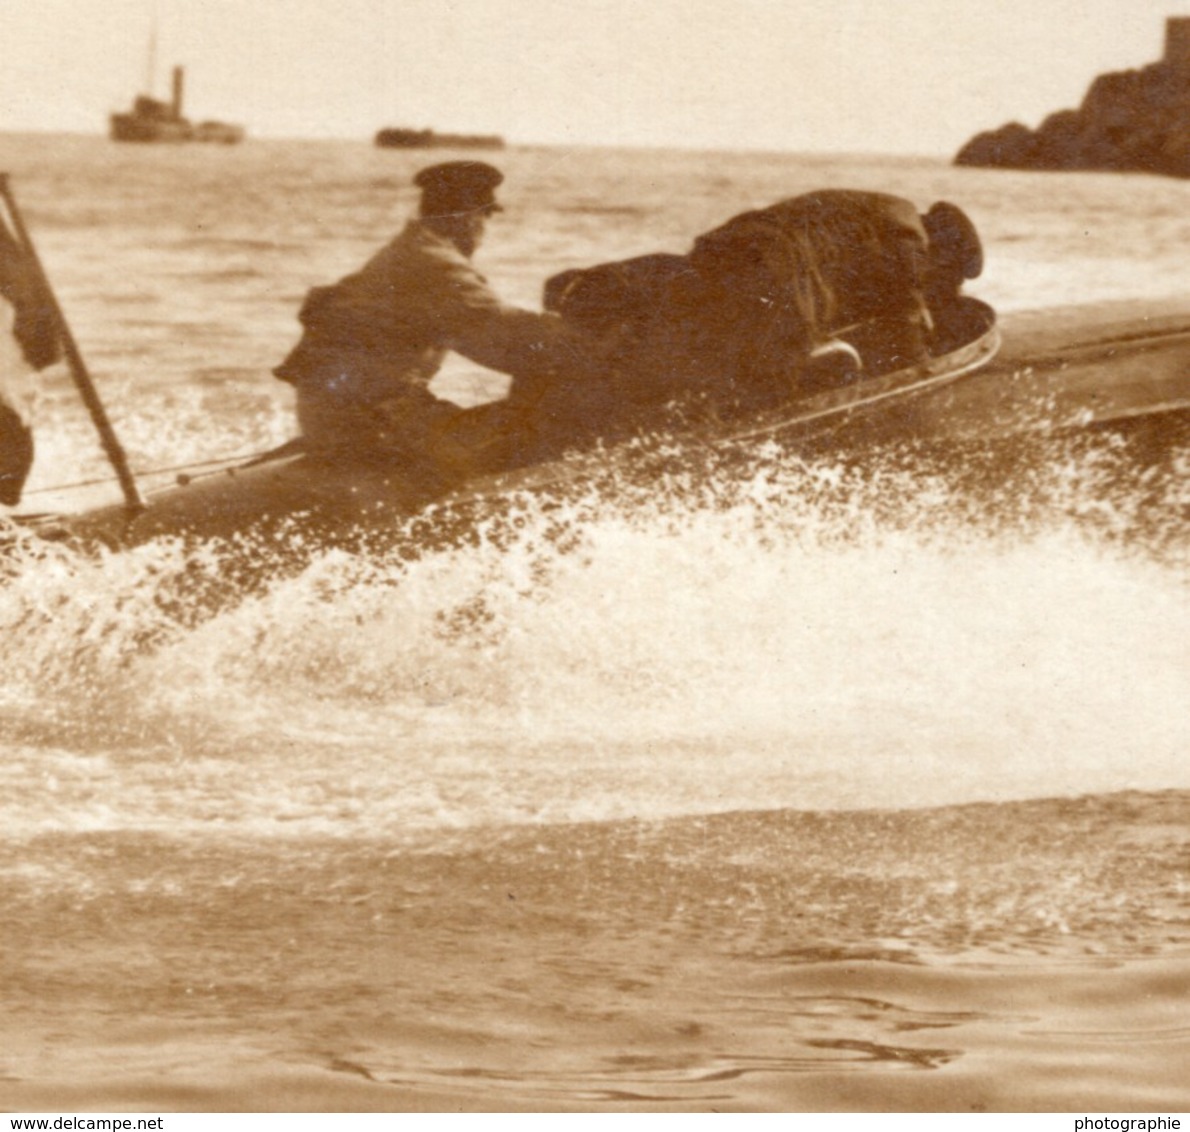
[{"x": 617, "y": 558}]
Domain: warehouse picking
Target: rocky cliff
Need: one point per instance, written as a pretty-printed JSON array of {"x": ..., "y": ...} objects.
[{"x": 1133, "y": 121}]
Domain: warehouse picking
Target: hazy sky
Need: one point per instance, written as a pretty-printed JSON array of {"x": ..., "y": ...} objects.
[{"x": 914, "y": 76}]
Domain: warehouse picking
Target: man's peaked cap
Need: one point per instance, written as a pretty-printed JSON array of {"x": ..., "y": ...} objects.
[{"x": 458, "y": 186}]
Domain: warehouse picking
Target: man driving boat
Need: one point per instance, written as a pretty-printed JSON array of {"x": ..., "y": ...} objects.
[{"x": 372, "y": 343}]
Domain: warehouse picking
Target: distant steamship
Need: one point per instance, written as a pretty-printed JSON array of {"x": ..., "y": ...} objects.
[
  {"x": 400, "y": 138},
  {"x": 153, "y": 120}
]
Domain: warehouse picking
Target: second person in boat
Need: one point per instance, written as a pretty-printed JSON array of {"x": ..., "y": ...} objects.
[{"x": 809, "y": 292}]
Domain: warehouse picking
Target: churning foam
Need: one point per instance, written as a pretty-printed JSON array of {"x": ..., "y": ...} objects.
[{"x": 759, "y": 634}]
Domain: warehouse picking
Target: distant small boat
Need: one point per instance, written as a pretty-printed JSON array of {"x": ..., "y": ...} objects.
[
  {"x": 154, "y": 120},
  {"x": 396, "y": 137}
]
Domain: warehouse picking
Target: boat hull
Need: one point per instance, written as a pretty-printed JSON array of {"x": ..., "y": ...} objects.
[
  {"x": 139, "y": 128},
  {"x": 1071, "y": 368},
  {"x": 294, "y": 493},
  {"x": 1098, "y": 367}
]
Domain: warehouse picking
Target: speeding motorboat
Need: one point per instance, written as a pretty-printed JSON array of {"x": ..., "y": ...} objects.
[{"x": 1122, "y": 367}]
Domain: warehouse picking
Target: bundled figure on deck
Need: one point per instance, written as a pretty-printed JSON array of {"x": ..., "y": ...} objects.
[{"x": 811, "y": 291}]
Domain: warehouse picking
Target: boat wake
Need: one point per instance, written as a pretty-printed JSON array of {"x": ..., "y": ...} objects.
[{"x": 775, "y": 629}]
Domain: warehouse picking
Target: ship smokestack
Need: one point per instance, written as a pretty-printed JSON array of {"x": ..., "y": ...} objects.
[
  {"x": 1177, "y": 44},
  {"x": 175, "y": 108}
]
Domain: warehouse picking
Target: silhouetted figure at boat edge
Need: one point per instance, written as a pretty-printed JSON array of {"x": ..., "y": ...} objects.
[{"x": 29, "y": 341}]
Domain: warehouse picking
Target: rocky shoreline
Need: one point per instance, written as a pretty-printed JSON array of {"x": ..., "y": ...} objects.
[{"x": 1129, "y": 121}]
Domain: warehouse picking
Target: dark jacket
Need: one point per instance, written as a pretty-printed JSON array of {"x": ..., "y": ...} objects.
[
  {"x": 788, "y": 278},
  {"x": 738, "y": 317}
]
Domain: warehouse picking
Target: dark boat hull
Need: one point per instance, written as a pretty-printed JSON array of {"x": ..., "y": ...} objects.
[
  {"x": 138, "y": 128},
  {"x": 1099, "y": 367},
  {"x": 135, "y": 128},
  {"x": 396, "y": 137}
]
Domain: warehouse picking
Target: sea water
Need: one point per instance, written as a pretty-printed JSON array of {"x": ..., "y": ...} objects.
[{"x": 762, "y": 783}]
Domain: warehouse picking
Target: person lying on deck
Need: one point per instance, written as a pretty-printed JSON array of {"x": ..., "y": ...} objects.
[
  {"x": 372, "y": 342},
  {"x": 808, "y": 292}
]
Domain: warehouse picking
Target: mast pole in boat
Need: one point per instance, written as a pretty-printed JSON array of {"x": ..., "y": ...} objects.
[{"x": 78, "y": 368}]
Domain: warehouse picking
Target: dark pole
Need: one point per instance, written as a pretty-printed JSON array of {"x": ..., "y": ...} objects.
[
  {"x": 78, "y": 368},
  {"x": 176, "y": 104}
]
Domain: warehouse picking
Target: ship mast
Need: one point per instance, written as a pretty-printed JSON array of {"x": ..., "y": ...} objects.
[{"x": 151, "y": 61}]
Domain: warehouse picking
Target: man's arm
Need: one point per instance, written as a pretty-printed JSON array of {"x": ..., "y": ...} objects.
[{"x": 532, "y": 347}]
